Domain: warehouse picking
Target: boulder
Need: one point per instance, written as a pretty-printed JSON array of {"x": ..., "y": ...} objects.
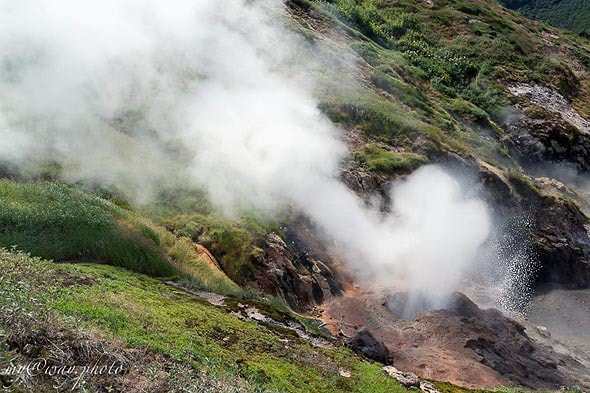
[
  {"x": 365, "y": 344},
  {"x": 410, "y": 380},
  {"x": 407, "y": 379}
]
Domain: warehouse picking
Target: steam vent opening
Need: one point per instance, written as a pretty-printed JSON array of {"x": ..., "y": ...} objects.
[{"x": 407, "y": 305}]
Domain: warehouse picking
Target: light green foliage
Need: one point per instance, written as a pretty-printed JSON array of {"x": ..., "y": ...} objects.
[
  {"x": 59, "y": 222},
  {"x": 148, "y": 314},
  {"x": 379, "y": 160},
  {"x": 235, "y": 243}
]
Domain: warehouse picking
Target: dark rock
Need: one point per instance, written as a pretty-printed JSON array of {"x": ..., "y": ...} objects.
[
  {"x": 502, "y": 344},
  {"x": 365, "y": 344},
  {"x": 405, "y": 306},
  {"x": 558, "y": 228},
  {"x": 287, "y": 271},
  {"x": 561, "y": 240},
  {"x": 550, "y": 139},
  {"x": 462, "y": 305}
]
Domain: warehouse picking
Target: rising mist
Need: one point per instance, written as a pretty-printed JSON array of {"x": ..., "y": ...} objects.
[{"x": 140, "y": 94}]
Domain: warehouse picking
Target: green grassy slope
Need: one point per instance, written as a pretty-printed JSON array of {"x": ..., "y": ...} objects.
[
  {"x": 434, "y": 77},
  {"x": 432, "y": 82},
  {"x": 165, "y": 339},
  {"x": 59, "y": 222},
  {"x": 462, "y": 49},
  {"x": 62, "y": 223},
  {"x": 568, "y": 14},
  {"x": 223, "y": 352}
]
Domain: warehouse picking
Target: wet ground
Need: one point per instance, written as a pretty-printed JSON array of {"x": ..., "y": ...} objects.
[{"x": 566, "y": 313}]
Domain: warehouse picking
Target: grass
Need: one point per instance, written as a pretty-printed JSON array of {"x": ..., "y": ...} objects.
[
  {"x": 58, "y": 222},
  {"x": 432, "y": 74},
  {"x": 430, "y": 77},
  {"x": 435, "y": 76},
  {"x": 169, "y": 335},
  {"x": 235, "y": 243},
  {"x": 379, "y": 160},
  {"x": 462, "y": 49},
  {"x": 145, "y": 313}
]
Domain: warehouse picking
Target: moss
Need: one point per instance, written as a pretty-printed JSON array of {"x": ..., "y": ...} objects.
[
  {"x": 368, "y": 52},
  {"x": 467, "y": 110},
  {"x": 523, "y": 184},
  {"x": 378, "y": 159},
  {"x": 374, "y": 115},
  {"x": 408, "y": 94},
  {"x": 148, "y": 314}
]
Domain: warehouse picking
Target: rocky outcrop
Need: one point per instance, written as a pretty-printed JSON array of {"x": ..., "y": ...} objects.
[
  {"x": 410, "y": 380},
  {"x": 545, "y": 126},
  {"x": 562, "y": 243},
  {"x": 502, "y": 344},
  {"x": 294, "y": 275},
  {"x": 551, "y": 100},
  {"x": 407, "y": 379},
  {"x": 558, "y": 228},
  {"x": 207, "y": 256},
  {"x": 467, "y": 345},
  {"x": 365, "y": 344},
  {"x": 549, "y": 138}
]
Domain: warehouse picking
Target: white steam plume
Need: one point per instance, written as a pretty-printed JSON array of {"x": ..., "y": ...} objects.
[{"x": 138, "y": 93}]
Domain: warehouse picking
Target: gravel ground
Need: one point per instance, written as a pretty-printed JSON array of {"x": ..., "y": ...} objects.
[{"x": 566, "y": 313}]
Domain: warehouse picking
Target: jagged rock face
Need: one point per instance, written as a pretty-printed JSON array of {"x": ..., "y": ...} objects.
[
  {"x": 360, "y": 181},
  {"x": 466, "y": 345},
  {"x": 365, "y": 344},
  {"x": 300, "y": 279},
  {"x": 562, "y": 242},
  {"x": 559, "y": 230},
  {"x": 549, "y": 139},
  {"x": 502, "y": 344},
  {"x": 551, "y": 129}
]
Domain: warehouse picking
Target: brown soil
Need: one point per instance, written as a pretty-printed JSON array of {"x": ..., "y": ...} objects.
[{"x": 468, "y": 347}]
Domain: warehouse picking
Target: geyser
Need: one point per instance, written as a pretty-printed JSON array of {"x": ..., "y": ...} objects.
[
  {"x": 407, "y": 305},
  {"x": 140, "y": 93}
]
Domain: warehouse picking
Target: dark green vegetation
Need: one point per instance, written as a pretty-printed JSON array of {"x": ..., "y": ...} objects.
[
  {"x": 434, "y": 77},
  {"x": 568, "y": 14}
]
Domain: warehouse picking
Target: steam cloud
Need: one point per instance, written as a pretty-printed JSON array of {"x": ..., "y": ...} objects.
[{"x": 136, "y": 94}]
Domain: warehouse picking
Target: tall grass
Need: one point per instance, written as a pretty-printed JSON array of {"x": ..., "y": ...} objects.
[{"x": 61, "y": 223}]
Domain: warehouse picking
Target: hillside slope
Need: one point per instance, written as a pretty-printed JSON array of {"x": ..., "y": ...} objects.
[
  {"x": 187, "y": 298},
  {"x": 567, "y": 14},
  {"x": 158, "y": 337},
  {"x": 474, "y": 85}
]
